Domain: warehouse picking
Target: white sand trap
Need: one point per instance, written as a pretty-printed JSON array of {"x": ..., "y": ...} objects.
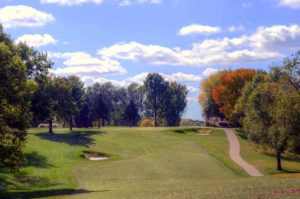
[{"x": 98, "y": 158}]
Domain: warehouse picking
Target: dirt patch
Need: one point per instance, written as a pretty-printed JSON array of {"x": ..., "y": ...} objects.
[
  {"x": 283, "y": 192},
  {"x": 95, "y": 156}
]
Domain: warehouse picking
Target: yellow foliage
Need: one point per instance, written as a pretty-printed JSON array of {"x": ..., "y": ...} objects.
[{"x": 147, "y": 123}]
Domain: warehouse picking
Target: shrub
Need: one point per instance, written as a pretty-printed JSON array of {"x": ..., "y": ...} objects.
[{"x": 147, "y": 123}]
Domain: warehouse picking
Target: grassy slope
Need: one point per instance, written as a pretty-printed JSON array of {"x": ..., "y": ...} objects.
[{"x": 146, "y": 163}]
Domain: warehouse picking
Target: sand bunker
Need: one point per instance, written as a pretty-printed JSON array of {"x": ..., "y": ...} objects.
[{"x": 95, "y": 156}]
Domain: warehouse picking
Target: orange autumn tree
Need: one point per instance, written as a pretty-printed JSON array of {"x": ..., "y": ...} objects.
[{"x": 227, "y": 92}]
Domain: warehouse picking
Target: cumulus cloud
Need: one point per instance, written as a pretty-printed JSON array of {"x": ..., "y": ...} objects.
[
  {"x": 37, "y": 40},
  {"x": 140, "y": 78},
  {"x": 239, "y": 28},
  {"x": 295, "y": 4},
  {"x": 197, "y": 29},
  {"x": 79, "y": 2},
  {"x": 23, "y": 16},
  {"x": 209, "y": 71},
  {"x": 182, "y": 77},
  {"x": 266, "y": 43},
  {"x": 82, "y": 63}
]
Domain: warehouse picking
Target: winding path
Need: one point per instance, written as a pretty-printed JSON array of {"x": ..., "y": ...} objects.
[{"x": 234, "y": 152}]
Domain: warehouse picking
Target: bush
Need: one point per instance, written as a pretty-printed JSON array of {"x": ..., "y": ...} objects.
[{"x": 147, "y": 123}]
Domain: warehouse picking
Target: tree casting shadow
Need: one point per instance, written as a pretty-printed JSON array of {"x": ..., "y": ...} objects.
[{"x": 80, "y": 138}]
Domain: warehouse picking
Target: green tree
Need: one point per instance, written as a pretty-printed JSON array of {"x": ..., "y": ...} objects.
[
  {"x": 240, "y": 106},
  {"x": 77, "y": 97},
  {"x": 272, "y": 117},
  {"x": 131, "y": 115},
  {"x": 15, "y": 117},
  {"x": 52, "y": 100},
  {"x": 174, "y": 103},
  {"x": 155, "y": 87}
]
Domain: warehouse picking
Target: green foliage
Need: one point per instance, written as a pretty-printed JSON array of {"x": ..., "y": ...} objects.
[
  {"x": 131, "y": 115},
  {"x": 174, "y": 103},
  {"x": 155, "y": 87},
  {"x": 272, "y": 117},
  {"x": 52, "y": 100},
  {"x": 15, "y": 94},
  {"x": 76, "y": 99}
]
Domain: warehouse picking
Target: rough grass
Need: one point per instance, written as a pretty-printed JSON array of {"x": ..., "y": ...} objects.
[{"x": 144, "y": 163}]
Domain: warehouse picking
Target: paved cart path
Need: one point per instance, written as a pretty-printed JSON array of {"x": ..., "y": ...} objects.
[{"x": 234, "y": 152}]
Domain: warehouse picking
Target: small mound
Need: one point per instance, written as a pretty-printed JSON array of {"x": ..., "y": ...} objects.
[{"x": 95, "y": 156}]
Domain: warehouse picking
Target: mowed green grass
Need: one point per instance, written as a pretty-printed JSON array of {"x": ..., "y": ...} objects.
[{"x": 144, "y": 163}]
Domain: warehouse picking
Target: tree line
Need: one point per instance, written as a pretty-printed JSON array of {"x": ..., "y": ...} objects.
[
  {"x": 266, "y": 105},
  {"x": 30, "y": 94}
]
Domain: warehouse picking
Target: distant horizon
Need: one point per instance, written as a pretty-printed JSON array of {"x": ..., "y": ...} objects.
[{"x": 121, "y": 41}]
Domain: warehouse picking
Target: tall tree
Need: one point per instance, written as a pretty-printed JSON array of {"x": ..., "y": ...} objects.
[
  {"x": 272, "y": 117},
  {"x": 209, "y": 107},
  {"x": 52, "y": 100},
  {"x": 15, "y": 94},
  {"x": 174, "y": 103},
  {"x": 155, "y": 87},
  {"x": 136, "y": 93},
  {"x": 131, "y": 115},
  {"x": 229, "y": 90},
  {"x": 77, "y": 98}
]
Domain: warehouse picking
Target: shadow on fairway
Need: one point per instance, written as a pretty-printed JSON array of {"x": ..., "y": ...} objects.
[
  {"x": 22, "y": 180},
  {"x": 80, "y": 138},
  {"x": 43, "y": 193},
  {"x": 36, "y": 160},
  {"x": 183, "y": 131}
]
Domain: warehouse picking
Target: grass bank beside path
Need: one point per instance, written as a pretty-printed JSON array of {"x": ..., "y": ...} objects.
[
  {"x": 144, "y": 163},
  {"x": 265, "y": 160}
]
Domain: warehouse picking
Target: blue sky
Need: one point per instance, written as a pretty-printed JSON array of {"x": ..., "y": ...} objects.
[{"x": 185, "y": 40}]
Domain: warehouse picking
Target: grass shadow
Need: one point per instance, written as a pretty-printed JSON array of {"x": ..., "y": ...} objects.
[
  {"x": 80, "y": 138},
  {"x": 36, "y": 160},
  {"x": 42, "y": 193},
  {"x": 23, "y": 181},
  {"x": 184, "y": 131}
]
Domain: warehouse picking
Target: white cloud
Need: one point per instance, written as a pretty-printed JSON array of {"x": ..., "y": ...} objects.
[
  {"x": 295, "y": 4},
  {"x": 182, "y": 77},
  {"x": 266, "y": 43},
  {"x": 23, "y": 16},
  {"x": 79, "y": 2},
  {"x": 239, "y": 28},
  {"x": 70, "y": 2},
  {"x": 37, "y": 40},
  {"x": 130, "y": 2},
  {"x": 192, "y": 89},
  {"x": 192, "y": 99},
  {"x": 196, "y": 29},
  {"x": 209, "y": 71},
  {"x": 140, "y": 78},
  {"x": 82, "y": 63}
]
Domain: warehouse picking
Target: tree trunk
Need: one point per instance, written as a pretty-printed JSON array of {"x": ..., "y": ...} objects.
[
  {"x": 71, "y": 124},
  {"x": 278, "y": 157},
  {"x": 99, "y": 123},
  {"x": 103, "y": 122},
  {"x": 50, "y": 127},
  {"x": 155, "y": 119}
]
